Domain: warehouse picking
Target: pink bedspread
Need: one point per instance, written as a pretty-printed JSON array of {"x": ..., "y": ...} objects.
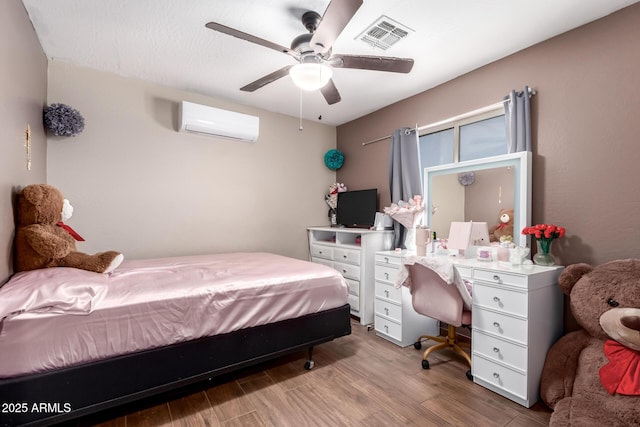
[{"x": 59, "y": 317}]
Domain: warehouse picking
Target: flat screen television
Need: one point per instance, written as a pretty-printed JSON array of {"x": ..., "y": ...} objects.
[{"x": 357, "y": 208}]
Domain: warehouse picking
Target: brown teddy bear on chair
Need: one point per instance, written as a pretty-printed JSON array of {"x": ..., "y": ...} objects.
[
  {"x": 43, "y": 240},
  {"x": 591, "y": 377}
]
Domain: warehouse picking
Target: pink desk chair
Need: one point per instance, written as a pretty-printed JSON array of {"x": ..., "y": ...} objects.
[{"x": 433, "y": 297}]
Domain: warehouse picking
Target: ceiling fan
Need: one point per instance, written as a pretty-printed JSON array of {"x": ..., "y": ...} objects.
[{"x": 312, "y": 50}]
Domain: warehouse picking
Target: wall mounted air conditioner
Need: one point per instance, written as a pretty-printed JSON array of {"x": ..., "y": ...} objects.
[{"x": 217, "y": 122}]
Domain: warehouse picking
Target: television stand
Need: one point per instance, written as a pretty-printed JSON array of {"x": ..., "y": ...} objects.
[{"x": 351, "y": 251}]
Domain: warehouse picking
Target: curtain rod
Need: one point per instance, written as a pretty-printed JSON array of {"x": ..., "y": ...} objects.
[{"x": 452, "y": 119}]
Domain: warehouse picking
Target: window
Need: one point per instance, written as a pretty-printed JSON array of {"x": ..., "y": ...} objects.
[
  {"x": 483, "y": 138},
  {"x": 436, "y": 148},
  {"x": 474, "y": 137}
]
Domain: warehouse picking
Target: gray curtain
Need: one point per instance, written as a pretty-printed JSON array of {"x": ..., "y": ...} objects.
[
  {"x": 404, "y": 173},
  {"x": 517, "y": 108}
]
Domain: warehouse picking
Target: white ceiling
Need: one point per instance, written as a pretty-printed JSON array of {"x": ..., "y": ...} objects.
[{"x": 166, "y": 42}]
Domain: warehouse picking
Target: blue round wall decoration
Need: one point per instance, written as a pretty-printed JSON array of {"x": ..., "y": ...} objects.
[{"x": 334, "y": 159}]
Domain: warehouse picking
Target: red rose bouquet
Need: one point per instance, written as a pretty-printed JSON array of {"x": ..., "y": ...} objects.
[{"x": 544, "y": 234}]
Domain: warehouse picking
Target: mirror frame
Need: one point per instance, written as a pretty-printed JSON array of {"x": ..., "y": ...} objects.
[{"x": 520, "y": 161}]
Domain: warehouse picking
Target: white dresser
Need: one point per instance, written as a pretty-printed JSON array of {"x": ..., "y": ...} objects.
[
  {"x": 395, "y": 318},
  {"x": 517, "y": 315},
  {"x": 351, "y": 251}
]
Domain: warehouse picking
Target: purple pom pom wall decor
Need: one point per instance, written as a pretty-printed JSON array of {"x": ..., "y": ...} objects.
[{"x": 63, "y": 120}]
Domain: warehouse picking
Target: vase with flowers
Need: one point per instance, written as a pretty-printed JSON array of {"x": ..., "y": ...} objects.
[
  {"x": 544, "y": 235},
  {"x": 331, "y": 199}
]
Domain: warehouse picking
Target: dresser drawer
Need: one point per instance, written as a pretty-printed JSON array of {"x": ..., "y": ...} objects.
[
  {"x": 354, "y": 286},
  {"x": 386, "y": 259},
  {"x": 500, "y": 299},
  {"x": 500, "y": 325},
  {"x": 354, "y": 302},
  {"x": 499, "y": 350},
  {"x": 349, "y": 271},
  {"x": 388, "y": 327},
  {"x": 387, "y": 274},
  {"x": 389, "y": 292},
  {"x": 500, "y": 278},
  {"x": 323, "y": 261},
  {"x": 389, "y": 310},
  {"x": 346, "y": 255},
  {"x": 320, "y": 251},
  {"x": 507, "y": 379}
]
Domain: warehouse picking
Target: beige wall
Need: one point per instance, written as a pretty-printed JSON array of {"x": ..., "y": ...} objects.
[
  {"x": 586, "y": 127},
  {"x": 139, "y": 186},
  {"x": 23, "y": 89}
]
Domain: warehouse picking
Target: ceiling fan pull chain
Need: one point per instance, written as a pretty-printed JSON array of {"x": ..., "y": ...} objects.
[{"x": 300, "y": 127}]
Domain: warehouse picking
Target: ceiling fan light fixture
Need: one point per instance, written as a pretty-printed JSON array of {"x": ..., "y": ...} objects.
[{"x": 310, "y": 76}]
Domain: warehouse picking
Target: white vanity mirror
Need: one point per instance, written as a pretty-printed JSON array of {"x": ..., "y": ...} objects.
[{"x": 476, "y": 190}]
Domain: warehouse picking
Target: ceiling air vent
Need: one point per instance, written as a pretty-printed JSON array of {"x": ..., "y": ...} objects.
[{"x": 384, "y": 33}]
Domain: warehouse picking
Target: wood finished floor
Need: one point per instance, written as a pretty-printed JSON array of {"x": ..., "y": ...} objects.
[{"x": 358, "y": 380}]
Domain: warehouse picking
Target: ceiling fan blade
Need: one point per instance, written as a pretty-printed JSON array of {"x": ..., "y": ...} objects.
[
  {"x": 377, "y": 63},
  {"x": 330, "y": 93},
  {"x": 336, "y": 17},
  {"x": 269, "y": 78},
  {"x": 253, "y": 39}
]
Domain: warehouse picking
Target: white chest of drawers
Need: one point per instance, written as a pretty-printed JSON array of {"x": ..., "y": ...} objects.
[
  {"x": 516, "y": 317},
  {"x": 395, "y": 318},
  {"x": 351, "y": 251}
]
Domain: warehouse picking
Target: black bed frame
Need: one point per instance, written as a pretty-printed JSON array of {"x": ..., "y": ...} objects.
[{"x": 61, "y": 395}]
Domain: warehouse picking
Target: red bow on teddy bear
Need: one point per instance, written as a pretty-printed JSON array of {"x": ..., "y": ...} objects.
[
  {"x": 502, "y": 225},
  {"x": 622, "y": 374},
  {"x": 71, "y": 231}
]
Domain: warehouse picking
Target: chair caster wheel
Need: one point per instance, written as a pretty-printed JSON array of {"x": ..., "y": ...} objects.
[
  {"x": 425, "y": 364},
  {"x": 308, "y": 365},
  {"x": 417, "y": 345},
  {"x": 469, "y": 376}
]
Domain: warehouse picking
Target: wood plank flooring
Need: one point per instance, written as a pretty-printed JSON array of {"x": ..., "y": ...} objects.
[{"x": 358, "y": 380}]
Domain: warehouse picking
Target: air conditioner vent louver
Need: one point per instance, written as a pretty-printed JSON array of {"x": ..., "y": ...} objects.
[{"x": 384, "y": 33}]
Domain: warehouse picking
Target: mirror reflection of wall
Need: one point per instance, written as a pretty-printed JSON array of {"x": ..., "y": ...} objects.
[
  {"x": 478, "y": 197},
  {"x": 448, "y": 201},
  {"x": 492, "y": 190}
]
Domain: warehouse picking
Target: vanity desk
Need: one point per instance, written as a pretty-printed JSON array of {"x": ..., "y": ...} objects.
[{"x": 517, "y": 314}]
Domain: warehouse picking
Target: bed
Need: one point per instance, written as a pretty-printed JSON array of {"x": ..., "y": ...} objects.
[{"x": 74, "y": 342}]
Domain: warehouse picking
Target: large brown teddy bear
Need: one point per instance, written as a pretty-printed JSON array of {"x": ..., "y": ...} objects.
[
  {"x": 43, "y": 240},
  {"x": 504, "y": 227},
  {"x": 591, "y": 377}
]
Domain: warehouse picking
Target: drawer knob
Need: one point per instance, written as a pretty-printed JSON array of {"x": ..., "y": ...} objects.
[
  {"x": 386, "y": 328},
  {"x": 386, "y": 260},
  {"x": 496, "y": 277},
  {"x": 344, "y": 271},
  {"x": 344, "y": 256},
  {"x": 496, "y": 324},
  {"x": 320, "y": 252},
  {"x": 386, "y": 311},
  {"x": 496, "y": 299},
  {"x": 386, "y": 293},
  {"x": 496, "y": 375},
  {"x": 386, "y": 276},
  {"x": 496, "y": 350}
]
